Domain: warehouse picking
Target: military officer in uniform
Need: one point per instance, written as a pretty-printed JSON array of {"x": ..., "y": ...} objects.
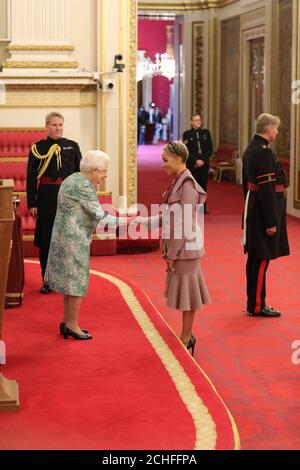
[
  {"x": 265, "y": 234},
  {"x": 50, "y": 161},
  {"x": 199, "y": 144}
]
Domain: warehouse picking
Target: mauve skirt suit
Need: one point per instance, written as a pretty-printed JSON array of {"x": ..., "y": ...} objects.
[{"x": 185, "y": 287}]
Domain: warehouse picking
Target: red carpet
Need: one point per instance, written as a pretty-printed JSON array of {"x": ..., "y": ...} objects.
[
  {"x": 248, "y": 359},
  {"x": 134, "y": 386}
]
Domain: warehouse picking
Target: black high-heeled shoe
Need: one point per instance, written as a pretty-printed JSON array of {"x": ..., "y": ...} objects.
[
  {"x": 61, "y": 329},
  {"x": 191, "y": 344},
  {"x": 68, "y": 332}
]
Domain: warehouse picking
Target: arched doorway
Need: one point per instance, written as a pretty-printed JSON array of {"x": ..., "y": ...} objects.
[{"x": 159, "y": 86}]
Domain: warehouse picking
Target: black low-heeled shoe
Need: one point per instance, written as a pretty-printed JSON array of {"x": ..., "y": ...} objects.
[
  {"x": 61, "y": 329},
  {"x": 45, "y": 289},
  {"x": 191, "y": 344},
  {"x": 68, "y": 332}
]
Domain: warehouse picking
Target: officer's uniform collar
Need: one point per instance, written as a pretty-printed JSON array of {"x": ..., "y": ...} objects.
[
  {"x": 54, "y": 140},
  {"x": 261, "y": 139}
]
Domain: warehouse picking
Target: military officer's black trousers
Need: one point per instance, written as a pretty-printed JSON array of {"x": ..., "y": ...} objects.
[
  {"x": 43, "y": 256},
  {"x": 256, "y": 284},
  {"x": 201, "y": 176}
]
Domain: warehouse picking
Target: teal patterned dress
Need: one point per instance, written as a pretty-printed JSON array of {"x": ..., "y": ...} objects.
[{"x": 78, "y": 213}]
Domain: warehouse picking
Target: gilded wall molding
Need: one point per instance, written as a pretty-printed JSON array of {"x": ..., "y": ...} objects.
[
  {"x": 41, "y": 65},
  {"x": 229, "y": 87},
  {"x": 44, "y": 99},
  {"x": 197, "y": 66},
  {"x": 283, "y": 70},
  {"x": 122, "y": 113},
  {"x": 34, "y": 47},
  {"x": 52, "y": 86},
  {"x": 296, "y": 169},
  {"x": 253, "y": 26},
  {"x": 257, "y": 55},
  {"x": 88, "y": 99},
  {"x": 131, "y": 100},
  {"x": 213, "y": 77}
]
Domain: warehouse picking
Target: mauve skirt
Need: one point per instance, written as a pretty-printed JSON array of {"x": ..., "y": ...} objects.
[{"x": 185, "y": 287}]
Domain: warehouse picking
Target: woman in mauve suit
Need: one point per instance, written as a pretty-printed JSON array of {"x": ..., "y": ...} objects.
[{"x": 182, "y": 240}]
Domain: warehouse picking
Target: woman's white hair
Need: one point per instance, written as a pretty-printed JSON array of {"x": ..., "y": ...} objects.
[{"x": 94, "y": 160}]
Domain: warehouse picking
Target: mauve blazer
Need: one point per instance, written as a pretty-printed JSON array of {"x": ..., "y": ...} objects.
[{"x": 182, "y": 235}]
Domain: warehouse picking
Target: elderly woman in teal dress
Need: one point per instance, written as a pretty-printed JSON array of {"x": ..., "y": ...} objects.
[{"x": 78, "y": 213}]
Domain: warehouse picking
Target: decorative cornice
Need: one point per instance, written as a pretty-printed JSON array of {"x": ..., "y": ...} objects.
[
  {"x": 32, "y": 47},
  {"x": 254, "y": 33},
  {"x": 41, "y": 99},
  {"x": 51, "y": 86},
  {"x": 41, "y": 65},
  {"x": 185, "y": 6}
]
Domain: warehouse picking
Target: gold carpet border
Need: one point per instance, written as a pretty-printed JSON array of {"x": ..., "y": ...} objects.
[
  {"x": 205, "y": 435},
  {"x": 205, "y": 428},
  {"x": 235, "y": 431},
  {"x": 237, "y": 441}
]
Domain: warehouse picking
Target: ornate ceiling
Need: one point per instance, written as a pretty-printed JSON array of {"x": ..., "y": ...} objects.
[{"x": 182, "y": 5}]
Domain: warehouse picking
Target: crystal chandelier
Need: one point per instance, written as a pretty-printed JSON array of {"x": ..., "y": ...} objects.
[
  {"x": 164, "y": 63},
  {"x": 167, "y": 61},
  {"x": 144, "y": 66}
]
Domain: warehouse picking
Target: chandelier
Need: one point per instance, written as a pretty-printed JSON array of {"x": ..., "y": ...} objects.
[
  {"x": 144, "y": 66},
  {"x": 164, "y": 63}
]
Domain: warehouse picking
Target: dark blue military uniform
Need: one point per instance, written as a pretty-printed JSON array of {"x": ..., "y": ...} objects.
[
  {"x": 199, "y": 144},
  {"x": 43, "y": 195},
  {"x": 265, "y": 208}
]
